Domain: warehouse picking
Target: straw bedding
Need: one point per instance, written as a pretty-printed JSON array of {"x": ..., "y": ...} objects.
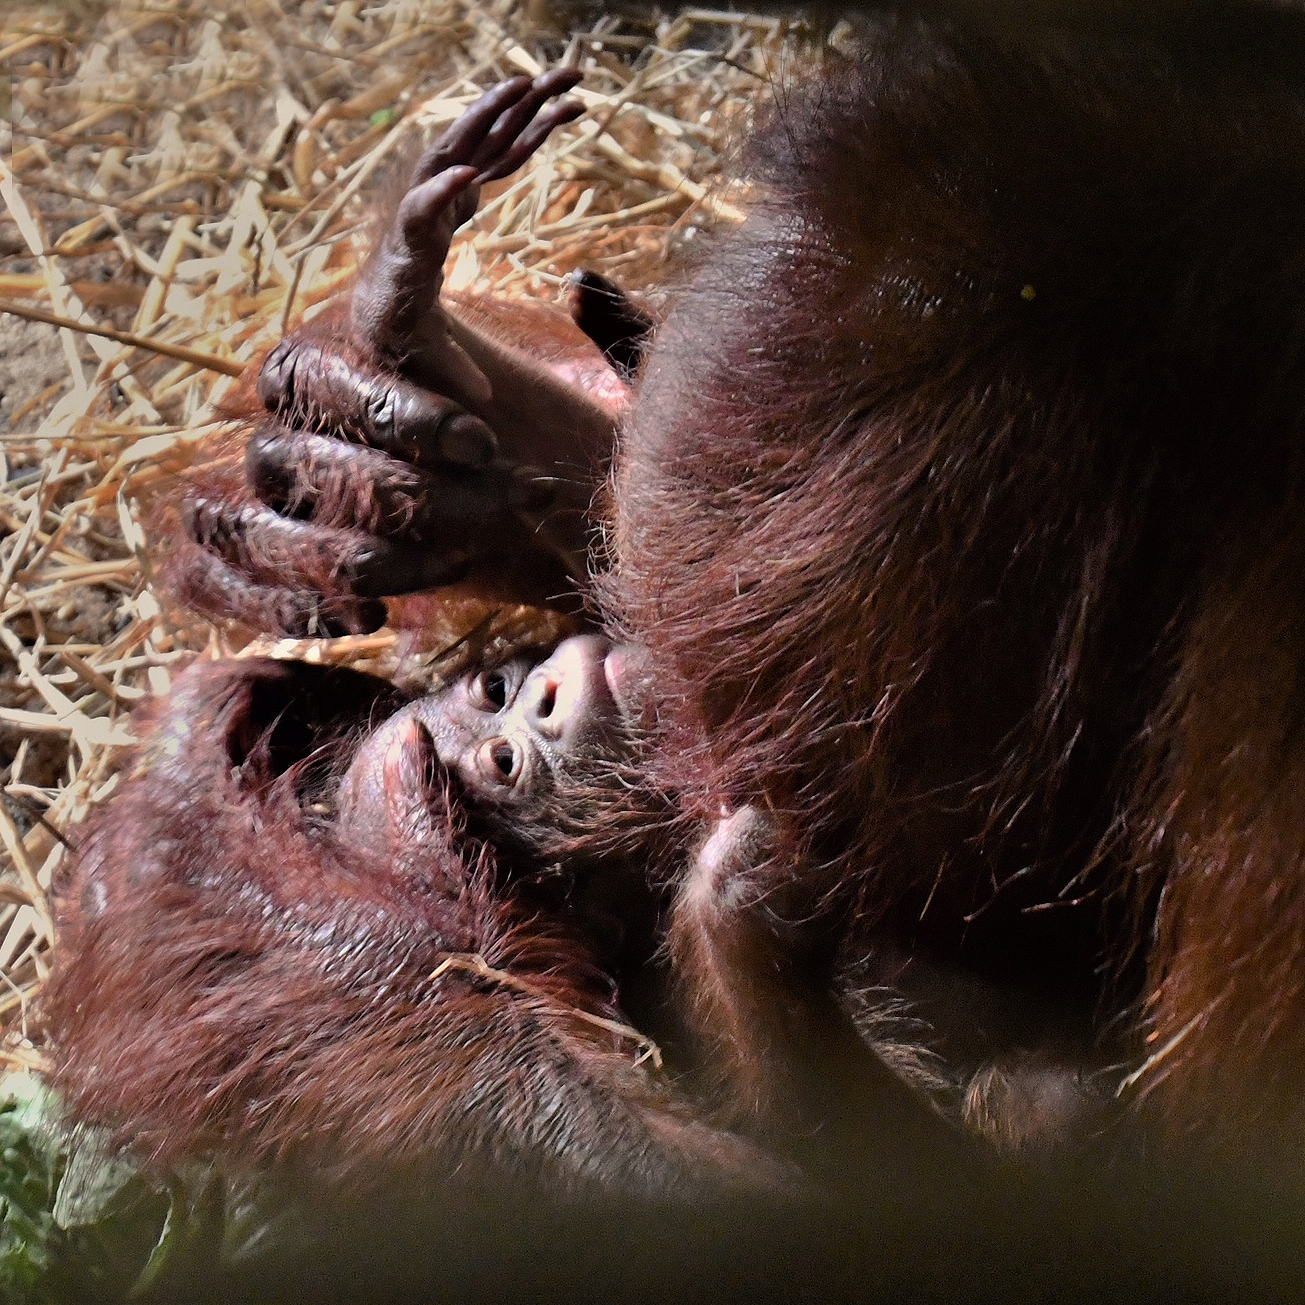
[{"x": 184, "y": 181}]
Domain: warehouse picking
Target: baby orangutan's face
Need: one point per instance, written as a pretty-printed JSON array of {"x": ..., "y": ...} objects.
[{"x": 513, "y": 736}]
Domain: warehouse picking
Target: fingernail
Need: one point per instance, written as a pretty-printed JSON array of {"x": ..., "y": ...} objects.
[
  {"x": 467, "y": 441},
  {"x": 274, "y": 378}
]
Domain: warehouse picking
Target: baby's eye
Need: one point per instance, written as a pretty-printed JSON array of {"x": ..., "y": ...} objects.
[{"x": 489, "y": 690}]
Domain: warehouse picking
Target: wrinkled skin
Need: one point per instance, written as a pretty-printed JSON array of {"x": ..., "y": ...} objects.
[
  {"x": 527, "y": 745},
  {"x": 404, "y": 445},
  {"x": 509, "y": 733}
]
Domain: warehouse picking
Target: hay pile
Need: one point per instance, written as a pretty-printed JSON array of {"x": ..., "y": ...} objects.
[{"x": 185, "y": 180}]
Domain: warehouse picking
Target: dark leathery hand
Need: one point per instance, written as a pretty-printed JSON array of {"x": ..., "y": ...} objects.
[
  {"x": 395, "y": 304},
  {"x": 503, "y": 128},
  {"x": 204, "y": 582},
  {"x": 272, "y": 549},
  {"x": 376, "y": 473},
  {"x": 307, "y": 385},
  {"x": 313, "y": 477}
]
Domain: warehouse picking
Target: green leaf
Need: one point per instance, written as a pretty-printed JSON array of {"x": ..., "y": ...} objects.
[{"x": 30, "y": 1167}]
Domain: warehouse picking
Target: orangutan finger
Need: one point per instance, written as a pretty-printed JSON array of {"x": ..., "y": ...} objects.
[
  {"x": 611, "y": 319},
  {"x": 270, "y": 549},
  {"x": 530, "y": 138},
  {"x": 313, "y": 477},
  {"x": 493, "y": 124},
  {"x": 393, "y": 300},
  {"x": 307, "y": 385},
  {"x": 418, "y": 243},
  {"x": 397, "y": 295},
  {"x": 206, "y": 583},
  {"x": 493, "y": 138},
  {"x": 457, "y": 145},
  {"x": 513, "y": 122}
]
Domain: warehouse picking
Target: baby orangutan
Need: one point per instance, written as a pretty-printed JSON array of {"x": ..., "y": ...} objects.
[
  {"x": 409, "y": 914},
  {"x": 524, "y": 742}
]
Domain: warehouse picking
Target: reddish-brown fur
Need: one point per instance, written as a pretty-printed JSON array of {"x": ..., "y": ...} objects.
[
  {"x": 958, "y": 512},
  {"x": 965, "y": 544},
  {"x": 329, "y": 1005}
]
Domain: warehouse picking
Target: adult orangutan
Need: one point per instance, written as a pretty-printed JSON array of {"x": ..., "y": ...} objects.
[{"x": 951, "y": 656}]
